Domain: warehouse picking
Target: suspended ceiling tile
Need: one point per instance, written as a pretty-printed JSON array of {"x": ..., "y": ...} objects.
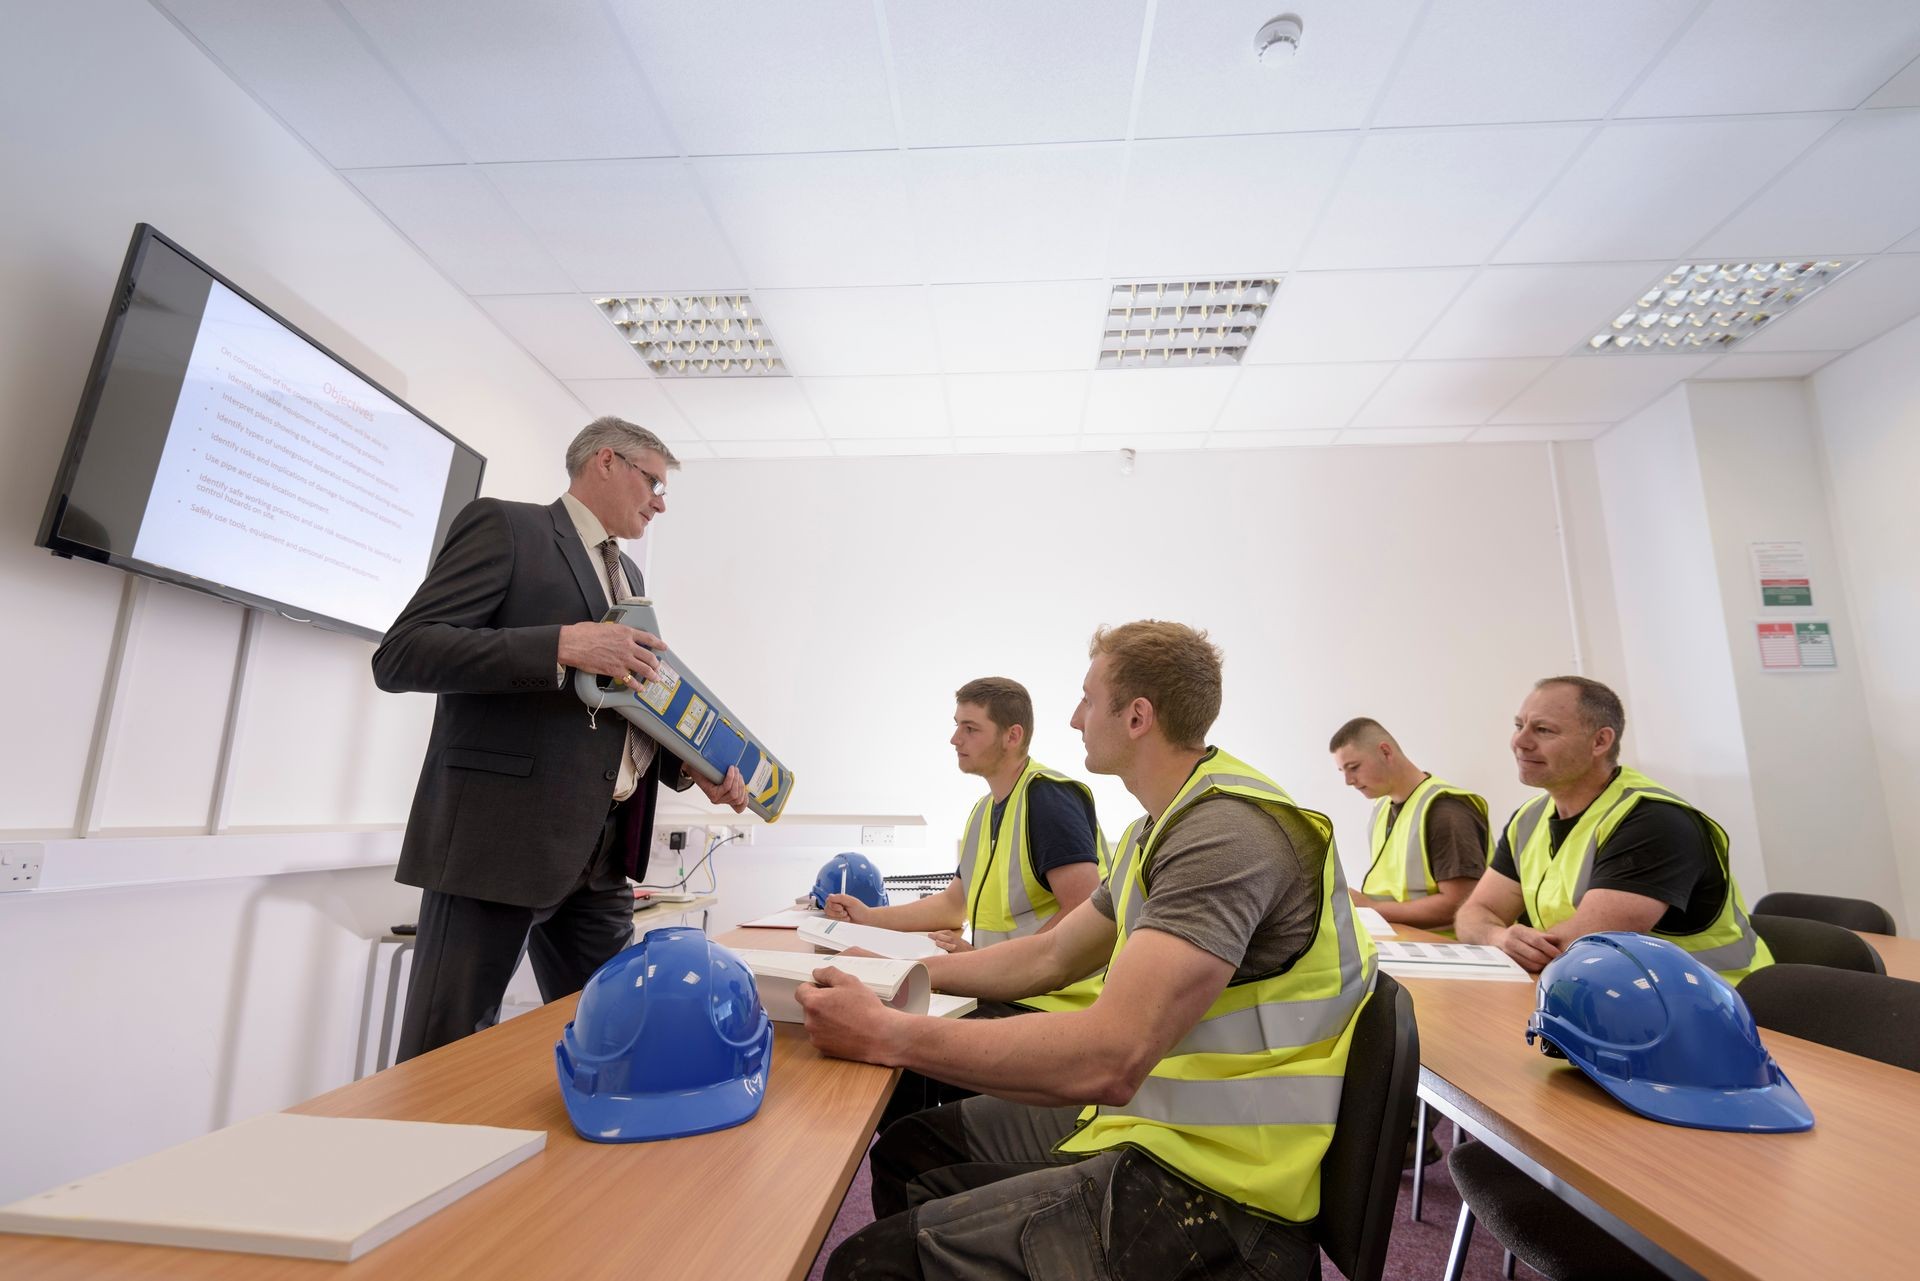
[
  {"x": 834, "y": 332},
  {"x": 567, "y": 334},
  {"x": 741, "y": 409},
  {"x": 1495, "y": 61},
  {"x": 1759, "y": 56},
  {"x": 1536, "y": 311},
  {"x": 1002, "y": 405},
  {"x": 1044, "y": 325},
  {"x": 464, "y": 228},
  {"x": 765, "y": 75},
  {"x": 1856, "y": 309},
  {"x": 621, "y": 226},
  {"x": 1404, "y": 436},
  {"x": 1016, "y": 444},
  {"x": 911, "y": 405},
  {"x": 1269, "y": 439},
  {"x": 1198, "y": 207},
  {"x": 1203, "y": 77},
  {"x": 317, "y": 75},
  {"x": 1159, "y": 401},
  {"x": 1901, "y": 91},
  {"x": 1652, "y": 189},
  {"x": 1015, "y": 213},
  {"x": 1856, "y": 192},
  {"x": 1586, "y": 389},
  {"x": 1298, "y": 397},
  {"x": 1758, "y": 364},
  {"x": 771, "y": 449},
  {"x": 641, "y": 401},
  {"x": 1448, "y": 393},
  {"x": 808, "y": 220},
  {"x": 1142, "y": 442},
  {"x": 1420, "y": 198},
  {"x": 1524, "y": 433},
  {"x": 900, "y": 447},
  {"x": 1353, "y": 315},
  {"x": 1010, "y": 71},
  {"x": 574, "y": 92}
]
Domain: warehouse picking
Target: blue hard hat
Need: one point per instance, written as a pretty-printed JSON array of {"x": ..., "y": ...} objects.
[
  {"x": 852, "y": 874},
  {"x": 1663, "y": 1034},
  {"x": 669, "y": 1039}
]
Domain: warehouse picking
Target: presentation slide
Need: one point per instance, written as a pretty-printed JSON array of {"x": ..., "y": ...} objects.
[{"x": 287, "y": 476}]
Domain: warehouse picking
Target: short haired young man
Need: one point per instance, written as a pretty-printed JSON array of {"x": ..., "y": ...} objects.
[
  {"x": 1428, "y": 839},
  {"x": 1603, "y": 847},
  {"x": 1175, "y": 1126}
]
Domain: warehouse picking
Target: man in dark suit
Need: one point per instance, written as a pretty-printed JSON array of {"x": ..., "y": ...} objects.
[{"x": 529, "y": 818}]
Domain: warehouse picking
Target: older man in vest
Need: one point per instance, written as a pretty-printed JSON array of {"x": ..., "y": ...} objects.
[
  {"x": 1176, "y": 1125},
  {"x": 1603, "y": 847}
]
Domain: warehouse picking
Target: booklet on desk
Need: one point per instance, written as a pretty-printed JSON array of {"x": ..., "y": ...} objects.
[
  {"x": 1376, "y": 925},
  {"x": 901, "y": 983},
  {"x": 1449, "y": 961},
  {"x": 837, "y": 936},
  {"x": 309, "y": 1187}
]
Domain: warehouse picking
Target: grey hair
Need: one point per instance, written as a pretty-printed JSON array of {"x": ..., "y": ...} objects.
[
  {"x": 619, "y": 435},
  {"x": 1597, "y": 706}
]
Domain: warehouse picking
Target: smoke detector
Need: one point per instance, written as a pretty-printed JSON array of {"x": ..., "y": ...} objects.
[{"x": 1279, "y": 39}]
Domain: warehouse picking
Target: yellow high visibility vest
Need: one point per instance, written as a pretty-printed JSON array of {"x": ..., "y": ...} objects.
[
  {"x": 1005, "y": 900},
  {"x": 1078, "y": 996},
  {"x": 1401, "y": 868},
  {"x": 1553, "y": 885},
  {"x": 1245, "y": 1104}
]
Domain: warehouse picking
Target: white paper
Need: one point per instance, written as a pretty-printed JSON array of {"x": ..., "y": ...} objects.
[
  {"x": 1377, "y": 925},
  {"x": 902, "y": 984},
  {"x": 1449, "y": 961},
  {"x": 942, "y": 1006},
  {"x": 837, "y": 936},
  {"x": 788, "y": 919}
]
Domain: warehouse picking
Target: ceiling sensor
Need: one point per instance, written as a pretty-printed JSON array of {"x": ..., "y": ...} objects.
[{"x": 1279, "y": 38}]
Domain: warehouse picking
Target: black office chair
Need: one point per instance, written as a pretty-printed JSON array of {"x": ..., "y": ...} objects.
[
  {"x": 1849, "y": 913},
  {"x": 1801, "y": 940},
  {"x": 1871, "y": 1015},
  {"x": 1360, "y": 1175}
]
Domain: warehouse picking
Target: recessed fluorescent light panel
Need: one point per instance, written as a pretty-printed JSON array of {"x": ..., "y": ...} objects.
[
  {"x": 1155, "y": 324},
  {"x": 696, "y": 335},
  {"x": 1710, "y": 306}
]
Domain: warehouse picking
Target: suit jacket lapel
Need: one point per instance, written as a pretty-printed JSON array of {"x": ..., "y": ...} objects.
[{"x": 592, "y": 595}]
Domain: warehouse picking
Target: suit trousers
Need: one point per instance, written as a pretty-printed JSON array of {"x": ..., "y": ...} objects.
[{"x": 467, "y": 951}]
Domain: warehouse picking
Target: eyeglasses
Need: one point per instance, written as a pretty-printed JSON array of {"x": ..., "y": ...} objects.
[{"x": 658, "y": 486}]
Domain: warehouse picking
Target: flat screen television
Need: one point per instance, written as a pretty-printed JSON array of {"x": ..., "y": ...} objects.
[{"x": 220, "y": 448}]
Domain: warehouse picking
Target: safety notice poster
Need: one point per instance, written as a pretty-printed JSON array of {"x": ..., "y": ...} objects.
[
  {"x": 1796, "y": 647},
  {"x": 1785, "y": 580}
]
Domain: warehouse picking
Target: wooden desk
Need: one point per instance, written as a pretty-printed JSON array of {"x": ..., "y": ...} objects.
[
  {"x": 751, "y": 1202},
  {"x": 1901, "y": 955},
  {"x": 1830, "y": 1202}
]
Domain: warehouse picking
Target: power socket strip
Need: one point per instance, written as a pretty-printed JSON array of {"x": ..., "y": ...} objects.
[
  {"x": 876, "y": 835},
  {"x": 20, "y": 867}
]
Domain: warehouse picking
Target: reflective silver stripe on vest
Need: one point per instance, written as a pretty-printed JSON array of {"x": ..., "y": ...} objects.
[
  {"x": 1256, "y": 1100},
  {"x": 1278, "y": 1024},
  {"x": 1593, "y": 837},
  {"x": 1414, "y": 866},
  {"x": 970, "y": 844},
  {"x": 1737, "y": 955},
  {"x": 1120, "y": 879},
  {"x": 1525, "y": 824},
  {"x": 1019, "y": 903}
]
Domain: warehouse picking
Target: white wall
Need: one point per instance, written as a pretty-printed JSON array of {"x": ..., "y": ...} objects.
[
  {"x": 1421, "y": 586},
  {"x": 1868, "y": 405},
  {"x": 1809, "y": 742},
  {"x": 133, "y": 1018}
]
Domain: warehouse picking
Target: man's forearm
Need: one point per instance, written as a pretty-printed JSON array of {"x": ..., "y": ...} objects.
[
  {"x": 1009, "y": 971},
  {"x": 1431, "y": 912},
  {"x": 1043, "y": 1059},
  {"x": 919, "y": 916},
  {"x": 1476, "y": 924}
]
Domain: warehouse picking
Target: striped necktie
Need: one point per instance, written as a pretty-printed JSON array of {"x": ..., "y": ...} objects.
[{"x": 617, "y": 585}]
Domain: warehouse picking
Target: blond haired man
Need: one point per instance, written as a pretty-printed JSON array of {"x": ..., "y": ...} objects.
[{"x": 1161, "y": 1131}]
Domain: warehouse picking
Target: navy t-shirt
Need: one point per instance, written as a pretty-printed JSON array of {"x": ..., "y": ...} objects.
[
  {"x": 1659, "y": 851},
  {"x": 1059, "y": 827}
]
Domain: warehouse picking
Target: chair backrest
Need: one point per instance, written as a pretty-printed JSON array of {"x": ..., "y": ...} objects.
[
  {"x": 1798, "y": 940},
  {"x": 1850, "y": 913},
  {"x": 1360, "y": 1175},
  {"x": 1871, "y": 1015}
]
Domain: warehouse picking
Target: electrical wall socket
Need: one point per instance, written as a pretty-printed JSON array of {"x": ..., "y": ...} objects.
[
  {"x": 20, "y": 866},
  {"x": 876, "y": 835}
]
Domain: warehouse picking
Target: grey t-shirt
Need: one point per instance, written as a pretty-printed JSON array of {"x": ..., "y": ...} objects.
[{"x": 1235, "y": 882}]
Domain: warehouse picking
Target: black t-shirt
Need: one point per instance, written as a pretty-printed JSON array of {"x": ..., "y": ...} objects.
[
  {"x": 1660, "y": 851},
  {"x": 1059, "y": 827}
]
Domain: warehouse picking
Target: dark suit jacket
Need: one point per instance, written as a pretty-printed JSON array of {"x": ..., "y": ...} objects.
[{"x": 514, "y": 792}]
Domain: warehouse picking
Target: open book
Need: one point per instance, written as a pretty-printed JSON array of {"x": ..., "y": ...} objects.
[
  {"x": 902, "y": 984},
  {"x": 310, "y": 1187},
  {"x": 1448, "y": 961}
]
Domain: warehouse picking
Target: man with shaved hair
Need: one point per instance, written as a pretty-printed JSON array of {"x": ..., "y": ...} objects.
[
  {"x": 1428, "y": 838},
  {"x": 1603, "y": 847}
]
